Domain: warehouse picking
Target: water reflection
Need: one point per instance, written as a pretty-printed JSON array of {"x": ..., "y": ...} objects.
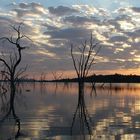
[
  {"x": 81, "y": 118},
  {"x": 8, "y": 108},
  {"x": 111, "y": 114},
  {"x": 93, "y": 90}
]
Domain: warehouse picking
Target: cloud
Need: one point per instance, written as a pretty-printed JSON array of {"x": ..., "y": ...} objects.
[
  {"x": 136, "y": 9},
  {"x": 120, "y": 38},
  {"x": 86, "y": 9},
  {"x": 78, "y": 26},
  {"x": 62, "y": 10},
  {"x": 53, "y": 29},
  {"x": 4, "y": 25},
  {"x": 29, "y": 9},
  {"x": 81, "y": 20},
  {"x": 133, "y": 34},
  {"x": 29, "y": 5},
  {"x": 69, "y": 33}
]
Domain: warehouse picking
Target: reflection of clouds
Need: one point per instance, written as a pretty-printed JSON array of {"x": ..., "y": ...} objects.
[
  {"x": 136, "y": 107},
  {"x": 121, "y": 120},
  {"x": 53, "y": 28},
  {"x": 39, "y": 122},
  {"x": 113, "y": 115}
]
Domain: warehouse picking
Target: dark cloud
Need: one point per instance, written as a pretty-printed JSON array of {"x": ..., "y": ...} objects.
[
  {"x": 29, "y": 5},
  {"x": 77, "y": 19},
  {"x": 111, "y": 65},
  {"x": 119, "y": 38},
  {"x": 31, "y": 9},
  {"x": 70, "y": 33},
  {"x": 50, "y": 27},
  {"x": 133, "y": 34},
  {"x": 113, "y": 23},
  {"x": 81, "y": 20},
  {"x": 107, "y": 51},
  {"x": 123, "y": 17},
  {"x": 131, "y": 64},
  {"x": 5, "y": 26},
  {"x": 136, "y": 9},
  {"x": 62, "y": 10}
]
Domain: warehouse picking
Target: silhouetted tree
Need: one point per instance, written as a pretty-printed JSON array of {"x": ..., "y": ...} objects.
[
  {"x": 43, "y": 77},
  {"x": 57, "y": 75},
  {"x": 84, "y": 59},
  {"x": 11, "y": 71},
  {"x": 10, "y": 65}
]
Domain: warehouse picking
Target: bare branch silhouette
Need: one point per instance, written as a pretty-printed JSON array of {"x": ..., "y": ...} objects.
[
  {"x": 57, "y": 75},
  {"x": 87, "y": 55},
  {"x": 11, "y": 67}
]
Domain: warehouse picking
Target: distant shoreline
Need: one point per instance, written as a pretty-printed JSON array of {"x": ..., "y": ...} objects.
[{"x": 116, "y": 78}]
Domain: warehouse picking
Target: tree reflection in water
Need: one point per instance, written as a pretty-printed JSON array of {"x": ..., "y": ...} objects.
[
  {"x": 81, "y": 119},
  {"x": 9, "y": 108}
]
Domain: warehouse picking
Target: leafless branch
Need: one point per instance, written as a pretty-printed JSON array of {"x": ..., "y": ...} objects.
[
  {"x": 74, "y": 61},
  {"x": 57, "y": 76},
  {"x": 84, "y": 62}
]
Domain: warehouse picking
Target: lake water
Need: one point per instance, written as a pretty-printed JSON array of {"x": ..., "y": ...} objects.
[{"x": 50, "y": 111}]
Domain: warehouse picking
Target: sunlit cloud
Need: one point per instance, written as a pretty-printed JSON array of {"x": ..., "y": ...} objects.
[
  {"x": 126, "y": 26},
  {"x": 86, "y": 9},
  {"x": 45, "y": 52}
]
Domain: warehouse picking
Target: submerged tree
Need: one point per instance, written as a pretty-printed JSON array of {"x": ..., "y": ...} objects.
[
  {"x": 57, "y": 75},
  {"x": 84, "y": 58},
  {"x": 11, "y": 70}
]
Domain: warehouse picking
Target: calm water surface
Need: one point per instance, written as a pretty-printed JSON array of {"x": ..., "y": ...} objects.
[{"x": 52, "y": 112}]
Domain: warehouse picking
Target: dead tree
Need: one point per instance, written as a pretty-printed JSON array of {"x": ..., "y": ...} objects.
[
  {"x": 43, "y": 77},
  {"x": 84, "y": 58},
  {"x": 11, "y": 69},
  {"x": 57, "y": 76}
]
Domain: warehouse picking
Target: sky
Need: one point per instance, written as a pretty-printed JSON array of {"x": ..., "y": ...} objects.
[{"x": 54, "y": 24}]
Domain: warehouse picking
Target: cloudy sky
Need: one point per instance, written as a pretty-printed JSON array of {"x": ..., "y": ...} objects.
[{"x": 54, "y": 24}]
